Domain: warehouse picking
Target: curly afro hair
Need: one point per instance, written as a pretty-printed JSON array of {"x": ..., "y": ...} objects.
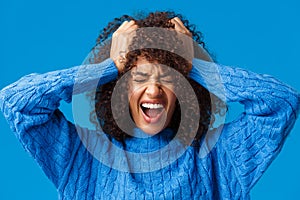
[{"x": 209, "y": 105}]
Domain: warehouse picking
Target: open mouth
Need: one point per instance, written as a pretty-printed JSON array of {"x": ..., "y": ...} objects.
[{"x": 152, "y": 111}]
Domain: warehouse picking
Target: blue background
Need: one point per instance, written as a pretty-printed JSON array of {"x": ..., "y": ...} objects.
[{"x": 40, "y": 36}]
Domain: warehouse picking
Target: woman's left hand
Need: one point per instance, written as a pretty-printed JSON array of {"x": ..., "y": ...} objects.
[
  {"x": 179, "y": 26},
  {"x": 186, "y": 36}
]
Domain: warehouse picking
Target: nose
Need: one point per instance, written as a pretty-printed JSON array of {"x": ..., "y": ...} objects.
[{"x": 154, "y": 90}]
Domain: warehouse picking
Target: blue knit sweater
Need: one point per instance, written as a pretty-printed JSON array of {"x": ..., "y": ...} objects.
[{"x": 226, "y": 165}]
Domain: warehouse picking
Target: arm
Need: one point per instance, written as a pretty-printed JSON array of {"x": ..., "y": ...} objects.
[
  {"x": 254, "y": 139},
  {"x": 30, "y": 106}
]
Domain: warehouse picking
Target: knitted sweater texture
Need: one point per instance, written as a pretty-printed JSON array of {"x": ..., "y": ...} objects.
[{"x": 227, "y": 168}]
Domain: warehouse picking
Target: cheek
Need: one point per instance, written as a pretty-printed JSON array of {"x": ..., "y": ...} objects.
[
  {"x": 129, "y": 94},
  {"x": 132, "y": 93},
  {"x": 135, "y": 92},
  {"x": 133, "y": 99},
  {"x": 173, "y": 100},
  {"x": 170, "y": 95}
]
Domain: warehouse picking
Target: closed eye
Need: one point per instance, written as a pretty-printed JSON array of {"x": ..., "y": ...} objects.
[
  {"x": 139, "y": 77},
  {"x": 139, "y": 80},
  {"x": 167, "y": 80}
]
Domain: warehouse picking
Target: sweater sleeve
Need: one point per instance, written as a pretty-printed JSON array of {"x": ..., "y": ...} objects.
[
  {"x": 30, "y": 106},
  {"x": 254, "y": 139}
]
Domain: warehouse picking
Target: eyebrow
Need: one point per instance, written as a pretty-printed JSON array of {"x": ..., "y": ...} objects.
[
  {"x": 140, "y": 73},
  {"x": 165, "y": 74},
  {"x": 145, "y": 74}
]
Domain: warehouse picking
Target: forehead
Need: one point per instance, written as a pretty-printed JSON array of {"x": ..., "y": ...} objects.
[
  {"x": 150, "y": 69},
  {"x": 143, "y": 65}
]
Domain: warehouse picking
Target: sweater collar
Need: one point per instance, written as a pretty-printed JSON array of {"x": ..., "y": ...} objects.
[{"x": 142, "y": 142}]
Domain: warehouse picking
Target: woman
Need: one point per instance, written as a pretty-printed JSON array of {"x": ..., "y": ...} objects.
[{"x": 167, "y": 146}]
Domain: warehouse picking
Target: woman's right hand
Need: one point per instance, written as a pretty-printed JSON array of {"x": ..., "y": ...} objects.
[{"x": 121, "y": 39}]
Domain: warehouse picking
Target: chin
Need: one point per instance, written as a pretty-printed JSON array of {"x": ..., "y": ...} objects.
[{"x": 150, "y": 130}]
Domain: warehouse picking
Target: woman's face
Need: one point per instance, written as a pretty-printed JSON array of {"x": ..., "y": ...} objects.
[{"x": 151, "y": 97}]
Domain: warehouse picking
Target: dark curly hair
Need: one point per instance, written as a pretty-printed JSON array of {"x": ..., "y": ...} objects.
[{"x": 209, "y": 105}]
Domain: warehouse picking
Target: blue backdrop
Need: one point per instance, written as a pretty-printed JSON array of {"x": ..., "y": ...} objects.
[{"x": 40, "y": 36}]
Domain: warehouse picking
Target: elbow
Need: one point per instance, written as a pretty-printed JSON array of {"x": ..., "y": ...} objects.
[
  {"x": 4, "y": 96},
  {"x": 294, "y": 104},
  {"x": 297, "y": 104},
  {"x": 7, "y": 106},
  {"x": 11, "y": 101}
]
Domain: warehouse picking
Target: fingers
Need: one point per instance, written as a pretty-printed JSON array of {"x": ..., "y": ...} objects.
[
  {"x": 179, "y": 26},
  {"x": 187, "y": 41},
  {"x": 126, "y": 27},
  {"x": 179, "y": 22},
  {"x": 121, "y": 39}
]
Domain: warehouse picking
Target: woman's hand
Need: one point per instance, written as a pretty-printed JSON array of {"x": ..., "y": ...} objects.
[
  {"x": 190, "y": 43},
  {"x": 179, "y": 26},
  {"x": 121, "y": 39},
  {"x": 186, "y": 36}
]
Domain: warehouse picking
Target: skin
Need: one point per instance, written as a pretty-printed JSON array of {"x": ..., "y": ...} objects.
[
  {"x": 150, "y": 85},
  {"x": 151, "y": 91}
]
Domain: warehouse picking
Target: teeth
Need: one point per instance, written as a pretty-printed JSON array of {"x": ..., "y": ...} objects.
[{"x": 152, "y": 106}]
